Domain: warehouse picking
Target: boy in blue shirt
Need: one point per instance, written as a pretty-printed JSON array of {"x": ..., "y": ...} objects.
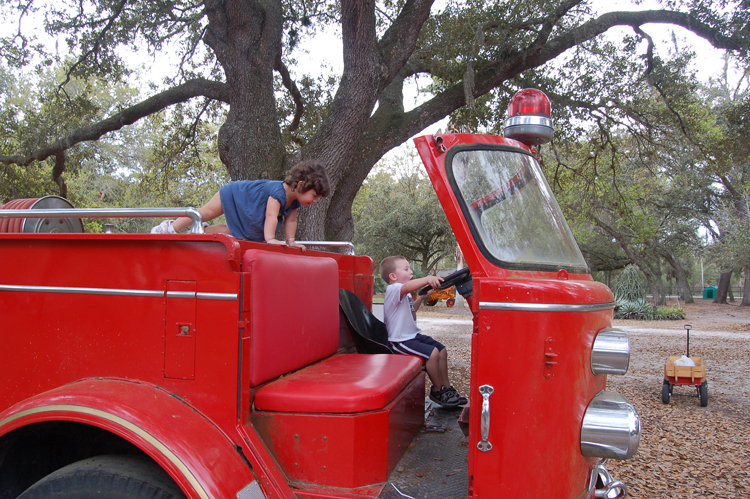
[
  {"x": 253, "y": 208},
  {"x": 405, "y": 337}
]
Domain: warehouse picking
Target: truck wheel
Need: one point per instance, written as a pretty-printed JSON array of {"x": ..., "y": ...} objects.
[
  {"x": 450, "y": 302},
  {"x": 106, "y": 477},
  {"x": 703, "y": 391},
  {"x": 665, "y": 392},
  {"x": 430, "y": 303}
]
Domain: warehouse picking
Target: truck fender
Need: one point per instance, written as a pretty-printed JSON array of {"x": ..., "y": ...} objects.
[{"x": 196, "y": 453}]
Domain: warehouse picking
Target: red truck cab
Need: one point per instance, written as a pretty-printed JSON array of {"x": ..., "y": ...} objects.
[{"x": 182, "y": 363}]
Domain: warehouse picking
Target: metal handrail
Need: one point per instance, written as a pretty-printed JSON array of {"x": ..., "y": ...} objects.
[
  {"x": 195, "y": 216},
  {"x": 332, "y": 244},
  {"x": 193, "y": 213}
]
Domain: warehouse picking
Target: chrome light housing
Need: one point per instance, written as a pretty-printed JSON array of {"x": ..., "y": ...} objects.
[
  {"x": 611, "y": 352},
  {"x": 611, "y": 428}
]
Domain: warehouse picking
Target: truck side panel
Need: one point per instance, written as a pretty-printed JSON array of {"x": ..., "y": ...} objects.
[{"x": 79, "y": 307}]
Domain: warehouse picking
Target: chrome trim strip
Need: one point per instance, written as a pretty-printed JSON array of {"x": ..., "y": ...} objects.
[
  {"x": 545, "y": 307},
  {"x": 217, "y": 296},
  {"x": 119, "y": 292},
  {"x": 528, "y": 120},
  {"x": 82, "y": 291},
  {"x": 196, "y": 226},
  {"x": 137, "y": 430}
]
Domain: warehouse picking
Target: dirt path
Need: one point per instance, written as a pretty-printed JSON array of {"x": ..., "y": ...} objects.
[{"x": 686, "y": 450}]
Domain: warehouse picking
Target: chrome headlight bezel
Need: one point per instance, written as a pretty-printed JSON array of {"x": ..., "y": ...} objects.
[
  {"x": 611, "y": 427},
  {"x": 610, "y": 353}
]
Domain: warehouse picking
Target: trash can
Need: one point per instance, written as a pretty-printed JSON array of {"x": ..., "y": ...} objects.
[{"x": 709, "y": 292}]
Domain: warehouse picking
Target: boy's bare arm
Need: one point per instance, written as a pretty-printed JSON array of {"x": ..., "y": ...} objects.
[
  {"x": 290, "y": 230},
  {"x": 271, "y": 221},
  {"x": 415, "y": 284}
]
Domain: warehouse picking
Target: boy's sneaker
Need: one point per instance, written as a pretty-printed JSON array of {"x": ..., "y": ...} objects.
[
  {"x": 164, "y": 228},
  {"x": 461, "y": 400},
  {"x": 444, "y": 397}
]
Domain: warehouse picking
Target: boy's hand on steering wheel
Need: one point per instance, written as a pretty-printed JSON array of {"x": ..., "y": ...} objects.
[{"x": 434, "y": 281}]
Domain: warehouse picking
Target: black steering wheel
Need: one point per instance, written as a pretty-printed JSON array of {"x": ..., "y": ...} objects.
[{"x": 455, "y": 279}]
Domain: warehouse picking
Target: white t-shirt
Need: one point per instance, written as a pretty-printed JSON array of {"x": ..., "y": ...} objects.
[{"x": 399, "y": 314}]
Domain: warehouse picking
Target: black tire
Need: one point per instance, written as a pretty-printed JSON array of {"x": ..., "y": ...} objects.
[
  {"x": 107, "y": 477},
  {"x": 703, "y": 392},
  {"x": 665, "y": 392},
  {"x": 450, "y": 302},
  {"x": 430, "y": 303}
]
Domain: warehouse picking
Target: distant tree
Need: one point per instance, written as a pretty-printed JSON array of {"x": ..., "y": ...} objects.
[
  {"x": 238, "y": 54},
  {"x": 397, "y": 213}
]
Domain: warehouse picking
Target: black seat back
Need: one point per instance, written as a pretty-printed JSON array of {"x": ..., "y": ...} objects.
[{"x": 369, "y": 334}]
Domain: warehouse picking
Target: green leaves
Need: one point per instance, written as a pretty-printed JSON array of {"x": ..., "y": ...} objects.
[{"x": 397, "y": 212}]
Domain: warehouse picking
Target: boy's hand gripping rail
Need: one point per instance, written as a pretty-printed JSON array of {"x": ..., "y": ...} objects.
[{"x": 196, "y": 227}]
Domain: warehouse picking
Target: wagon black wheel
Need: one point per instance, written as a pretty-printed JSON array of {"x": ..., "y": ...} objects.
[
  {"x": 430, "y": 302},
  {"x": 106, "y": 477},
  {"x": 450, "y": 302},
  {"x": 665, "y": 392},
  {"x": 703, "y": 392}
]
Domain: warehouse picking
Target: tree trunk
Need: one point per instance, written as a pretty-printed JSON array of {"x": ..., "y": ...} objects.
[
  {"x": 679, "y": 272},
  {"x": 246, "y": 38},
  {"x": 746, "y": 290},
  {"x": 723, "y": 288}
]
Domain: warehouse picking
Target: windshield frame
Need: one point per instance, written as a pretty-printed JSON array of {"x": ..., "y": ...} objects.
[{"x": 475, "y": 233}]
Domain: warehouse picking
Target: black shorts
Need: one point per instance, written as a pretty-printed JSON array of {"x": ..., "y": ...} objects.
[{"x": 422, "y": 346}]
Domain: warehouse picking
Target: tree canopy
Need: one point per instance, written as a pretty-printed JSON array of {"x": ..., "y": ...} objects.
[
  {"x": 398, "y": 213},
  {"x": 235, "y": 57}
]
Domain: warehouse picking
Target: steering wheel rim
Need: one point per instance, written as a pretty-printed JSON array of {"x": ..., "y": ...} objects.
[{"x": 458, "y": 277}]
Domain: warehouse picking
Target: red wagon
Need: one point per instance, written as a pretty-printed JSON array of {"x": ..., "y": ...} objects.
[{"x": 675, "y": 374}]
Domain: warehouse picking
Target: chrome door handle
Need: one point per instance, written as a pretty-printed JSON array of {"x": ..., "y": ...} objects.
[{"x": 486, "y": 391}]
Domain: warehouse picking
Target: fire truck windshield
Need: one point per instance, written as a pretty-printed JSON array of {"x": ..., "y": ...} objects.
[{"x": 511, "y": 210}]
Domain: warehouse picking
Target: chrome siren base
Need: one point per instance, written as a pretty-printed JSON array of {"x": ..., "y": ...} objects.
[
  {"x": 529, "y": 129},
  {"x": 611, "y": 428},
  {"x": 611, "y": 352}
]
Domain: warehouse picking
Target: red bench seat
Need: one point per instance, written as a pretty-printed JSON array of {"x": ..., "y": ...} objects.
[
  {"x": 329, "y": 419},
  {"x": 341, "y": 384}
]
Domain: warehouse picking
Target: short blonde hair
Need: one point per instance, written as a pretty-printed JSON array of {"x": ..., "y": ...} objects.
[{"x": 388, "y": 265}]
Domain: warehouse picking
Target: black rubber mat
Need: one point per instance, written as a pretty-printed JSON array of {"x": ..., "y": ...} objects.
[{"x": 436, "y": 464}]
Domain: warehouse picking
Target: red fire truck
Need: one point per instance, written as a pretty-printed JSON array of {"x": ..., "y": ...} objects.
[{"x": 143, "y": 365}]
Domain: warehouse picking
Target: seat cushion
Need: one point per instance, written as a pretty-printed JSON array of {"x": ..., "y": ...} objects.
[
  {"x": 292, "y": 307},
  {"x": 341, "y": 384}
]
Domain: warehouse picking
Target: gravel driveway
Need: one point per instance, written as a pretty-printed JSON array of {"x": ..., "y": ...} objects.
[{"x": 685, "y": 450}]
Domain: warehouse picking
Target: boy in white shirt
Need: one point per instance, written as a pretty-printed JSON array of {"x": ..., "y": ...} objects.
[{"x": 403, "y": 334}]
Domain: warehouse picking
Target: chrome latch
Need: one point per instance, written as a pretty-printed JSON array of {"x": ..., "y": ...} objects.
[{"x": 486, "y": 391}]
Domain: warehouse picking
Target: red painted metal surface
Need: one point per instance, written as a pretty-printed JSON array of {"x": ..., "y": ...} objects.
[
  {"x": 167, "y": 323},
  {"x": 344, "y": 450},
  {"x": 167, "y": 313},
  {"x": 537, "y": 361},
  {"x": 198, "y": 455}
]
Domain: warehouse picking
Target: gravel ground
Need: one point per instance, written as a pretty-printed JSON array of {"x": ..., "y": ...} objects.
[{"x": 685, "y": 450}]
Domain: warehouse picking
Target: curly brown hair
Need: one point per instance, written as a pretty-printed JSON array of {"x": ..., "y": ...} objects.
[{"x": 312, "y": 174}]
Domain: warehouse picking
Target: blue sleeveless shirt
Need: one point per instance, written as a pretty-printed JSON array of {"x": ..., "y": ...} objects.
[{"x": 244, "y": 204}]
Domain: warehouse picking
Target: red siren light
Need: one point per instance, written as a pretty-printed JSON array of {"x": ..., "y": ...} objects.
[{"x": 529, "y": 118}]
